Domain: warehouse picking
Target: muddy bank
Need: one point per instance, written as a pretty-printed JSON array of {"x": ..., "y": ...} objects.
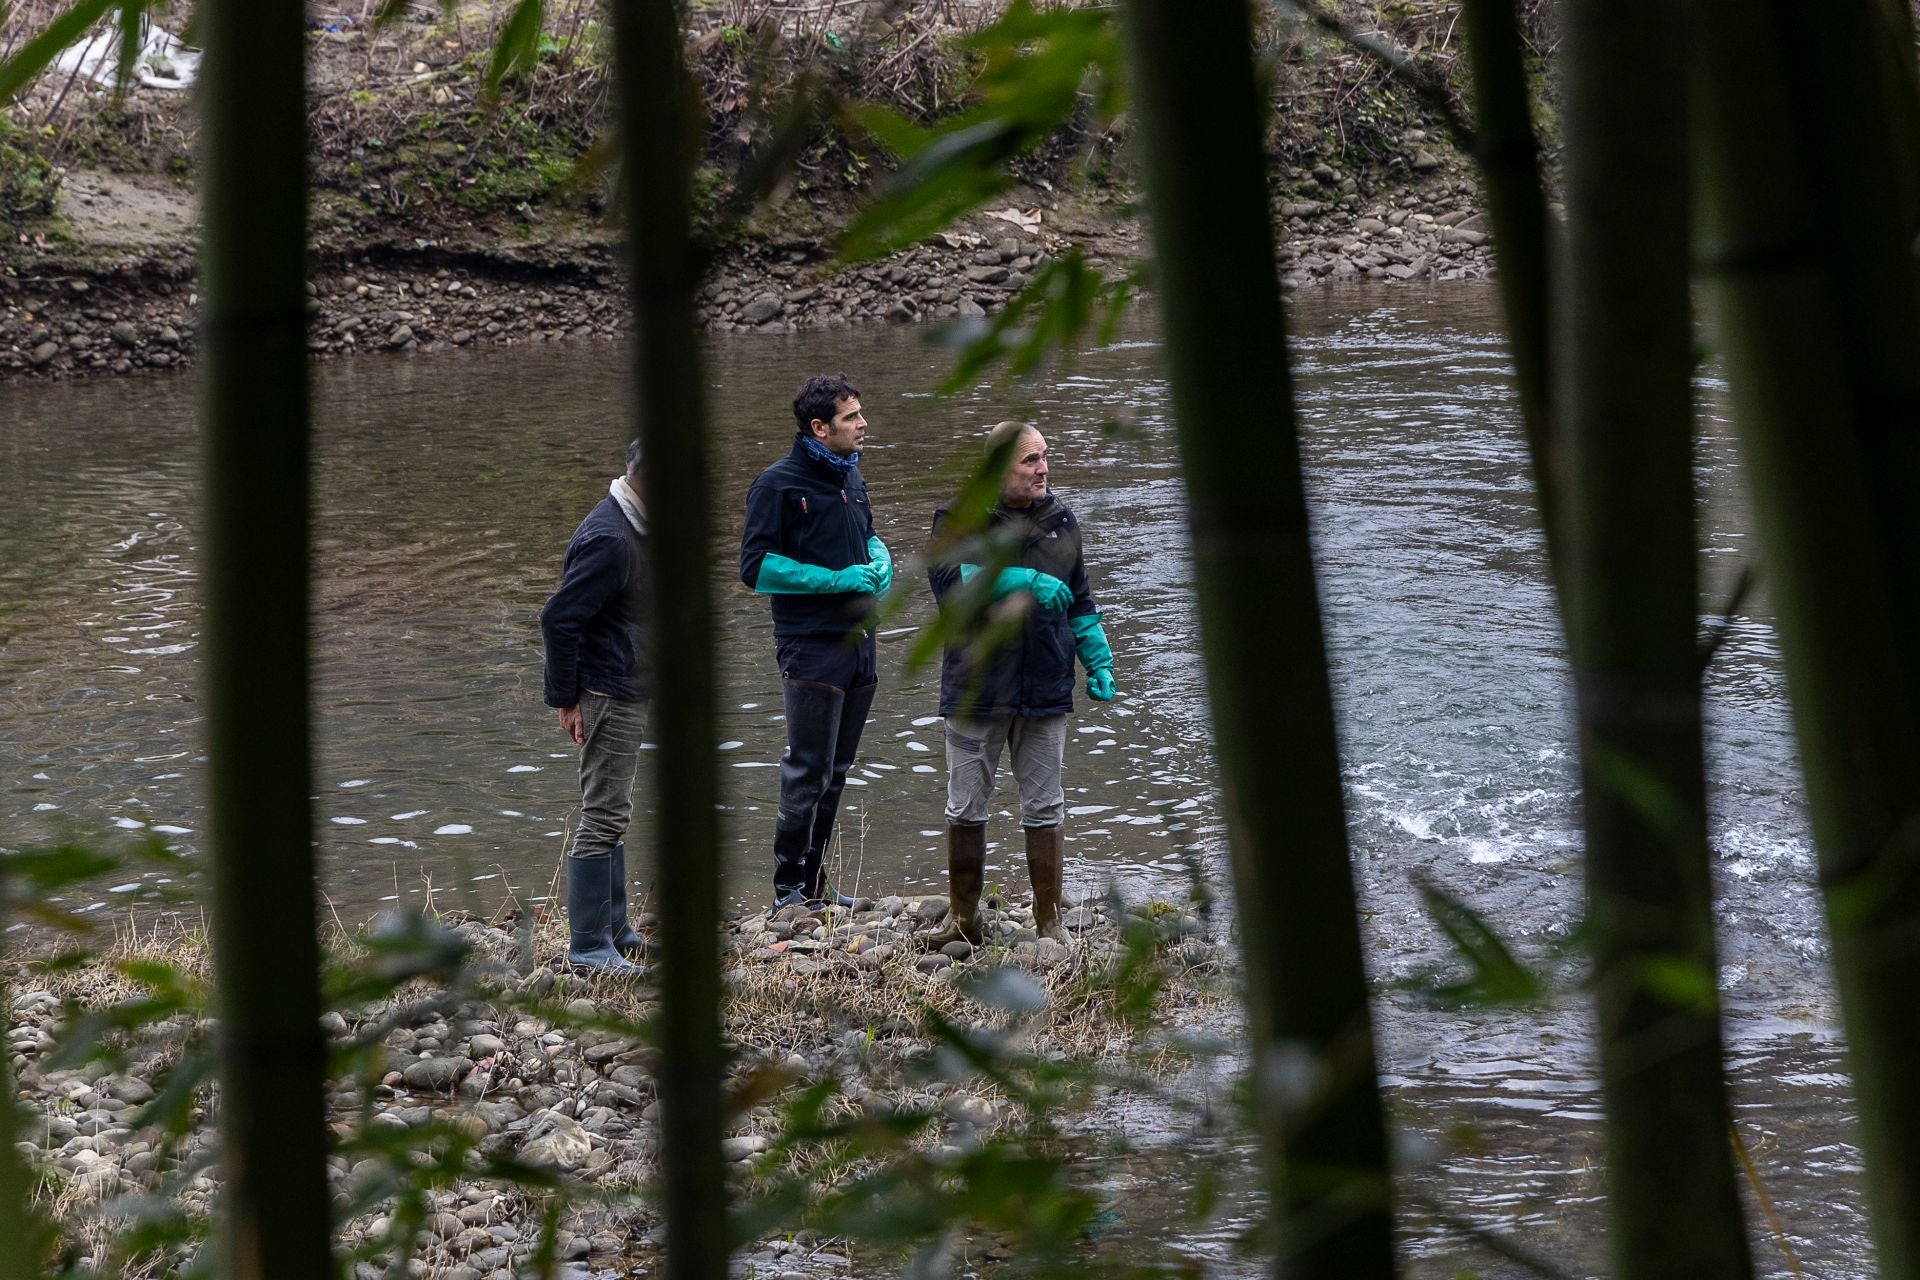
[
  {"x": 445, "y": 217},
  {"x": 516, "y": 1060},
  {"x": 74, "y": 320}
]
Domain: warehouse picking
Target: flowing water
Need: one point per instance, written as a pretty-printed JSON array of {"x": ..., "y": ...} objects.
[{"x": 447, "y": 487}]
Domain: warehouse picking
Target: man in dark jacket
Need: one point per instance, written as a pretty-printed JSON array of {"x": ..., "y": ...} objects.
[
  {"x": 1007, "y": 682},
  {"x": 809, "y": 544},
  {"x": 598, "y": 677}
]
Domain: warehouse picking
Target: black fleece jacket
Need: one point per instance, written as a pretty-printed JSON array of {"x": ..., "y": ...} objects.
[{"x": 595, "y": 624}]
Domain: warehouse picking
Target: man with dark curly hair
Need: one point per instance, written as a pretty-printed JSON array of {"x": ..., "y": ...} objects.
[{"x": 809, "y": 544}]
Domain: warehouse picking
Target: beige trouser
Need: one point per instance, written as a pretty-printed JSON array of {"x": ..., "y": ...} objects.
[{"x": 1038, "y": 743}]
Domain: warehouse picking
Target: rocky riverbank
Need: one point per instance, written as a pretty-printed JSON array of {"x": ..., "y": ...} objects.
[
  {"x": 443, "y": 217},
  {"x": 515, "y": 1063},
  {"x": 126, "y": 317}
]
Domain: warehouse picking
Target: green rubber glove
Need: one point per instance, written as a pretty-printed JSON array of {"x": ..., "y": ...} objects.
[
  {"x": 782, "y": 576},
  {"x": 882, "y": 559},
  {"x": 1049, "y": 591},
  {"x": 1096, "y": 655}
]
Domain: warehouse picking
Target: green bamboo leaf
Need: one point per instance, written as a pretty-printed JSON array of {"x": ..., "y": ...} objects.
[
  {"x": 519, "y": 42},
  {"x": 172, "y": 1107},
  {"x": 1005, "y": 987},
  {"x": 1497, "y": 977},
  {"x": 890, "y": 129},
  {"x": 131, "y": 11},
  {"x": 1680, "y": 980},
  {"x": 34, "y": 56}
]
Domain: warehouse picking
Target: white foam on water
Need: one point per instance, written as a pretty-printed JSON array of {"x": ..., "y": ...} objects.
[
  {"x": 125, "y": 888},
  {"x": 512, "y": 813},
  {"x": 748, "y": 706},
  {"x": 168, "y": 829},
  {"x": 129, "y": 824},
  {"x": 1417, "y": 825},
  {"x": 753, "y": 764},
  {"x": 918, "y": 746},
  {"x": 453, "y": 829},
  {"x": 1486, "y": 852},
  {"x": 411, "y": 813},
  {"x": 491, "y": 875},
  {"x": 924, "y": 721},
  {"x": 348, "y": 822},
  {"x": 358, "y": 782},
  {"x": 526, "y": 768},
  {"x": 923, "y": 768},
  {"x": 856, "y": 782},
  {"x": 731, "y": 744},
  {"x": 43, "y": 776},
  {"x": 45, "y": 808}
]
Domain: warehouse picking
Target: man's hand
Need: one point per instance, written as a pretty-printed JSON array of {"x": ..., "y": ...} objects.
[
  {"x": 1100, "y": 684},
  {"x": 570, "y": 722}
]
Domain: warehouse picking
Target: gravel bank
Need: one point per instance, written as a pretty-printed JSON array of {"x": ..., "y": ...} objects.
[{"x": 520, "y": 1060}]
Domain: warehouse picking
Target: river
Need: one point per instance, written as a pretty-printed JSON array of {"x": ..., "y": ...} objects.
[{"x": 447, "y": 486}]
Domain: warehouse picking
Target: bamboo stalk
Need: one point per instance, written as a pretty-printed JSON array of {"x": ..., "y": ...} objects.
[
  {"x": 1631, "y": 598},
  {"x": 1317, "y": 1096},
  {"x": 253, "y": 408},
  {"x": 661, "y": 131},
  {"x": 1508, "y": 155},
  {"x": 1806, "y": 421}
]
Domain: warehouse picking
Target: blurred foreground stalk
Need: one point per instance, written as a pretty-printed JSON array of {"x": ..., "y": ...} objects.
[
  {"x": 255, "y": 656},
  {"x": 1316, "y": 1089},
  {"x": 1807, "y": 134},
  {"x": 1631, "y": 596},
  {"x": 660, "y": 123}
]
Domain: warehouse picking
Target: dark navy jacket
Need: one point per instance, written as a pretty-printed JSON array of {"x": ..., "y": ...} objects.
[
  {"x": 1031, "y": 672},
  {"x": 595, "y": 624},
  {"x": 804, "y": 509}
]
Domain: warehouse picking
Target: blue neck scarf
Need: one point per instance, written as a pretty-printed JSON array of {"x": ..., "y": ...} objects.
[{"x": 828, "y": 456}]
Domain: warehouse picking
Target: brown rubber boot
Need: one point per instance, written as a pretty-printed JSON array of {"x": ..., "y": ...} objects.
[
  {"x": 966, "y": 870},
  {"x": 1046, "y": 849}
]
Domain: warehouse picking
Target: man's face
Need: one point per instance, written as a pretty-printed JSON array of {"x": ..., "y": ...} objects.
[
  {"x": 848, "y": 430},
  {"x": 1026, "y": 479}
]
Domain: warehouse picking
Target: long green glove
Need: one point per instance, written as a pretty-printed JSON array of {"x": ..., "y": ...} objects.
[
  {"x": 882, "y": 559},
  {"x": 1096, "y": 655},
  {"x": 781, "y": 576},
  {"x": 1049, "y": 591}
]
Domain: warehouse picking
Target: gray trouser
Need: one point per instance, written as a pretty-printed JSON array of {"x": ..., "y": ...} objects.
[
  {"x": 608, "y": 763},
  {"x": 1039, "y": 743}
]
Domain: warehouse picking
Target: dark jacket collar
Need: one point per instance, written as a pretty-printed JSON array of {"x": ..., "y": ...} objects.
[{"x": 1040, "y": 515}]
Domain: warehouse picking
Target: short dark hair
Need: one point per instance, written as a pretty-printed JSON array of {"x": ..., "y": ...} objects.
[
  {"x": 820, "y": 397},
  {"x": 633, "y": 455}
]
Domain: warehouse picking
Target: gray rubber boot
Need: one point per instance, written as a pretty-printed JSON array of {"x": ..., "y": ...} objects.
[
  {"x": 625, "y": 938},
  {"x": 590, "y": 919}
]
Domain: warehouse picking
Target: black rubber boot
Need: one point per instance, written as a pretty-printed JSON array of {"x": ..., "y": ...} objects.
[
  {"x": 625, "y": 938},
  {"x": 846, "y": 745},
  {"x": 813, "y": 724},
  {"x": 590, "y": 919},
  {"x": 966, "y": 872},
  {"x": 1046, "y": 852}
]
